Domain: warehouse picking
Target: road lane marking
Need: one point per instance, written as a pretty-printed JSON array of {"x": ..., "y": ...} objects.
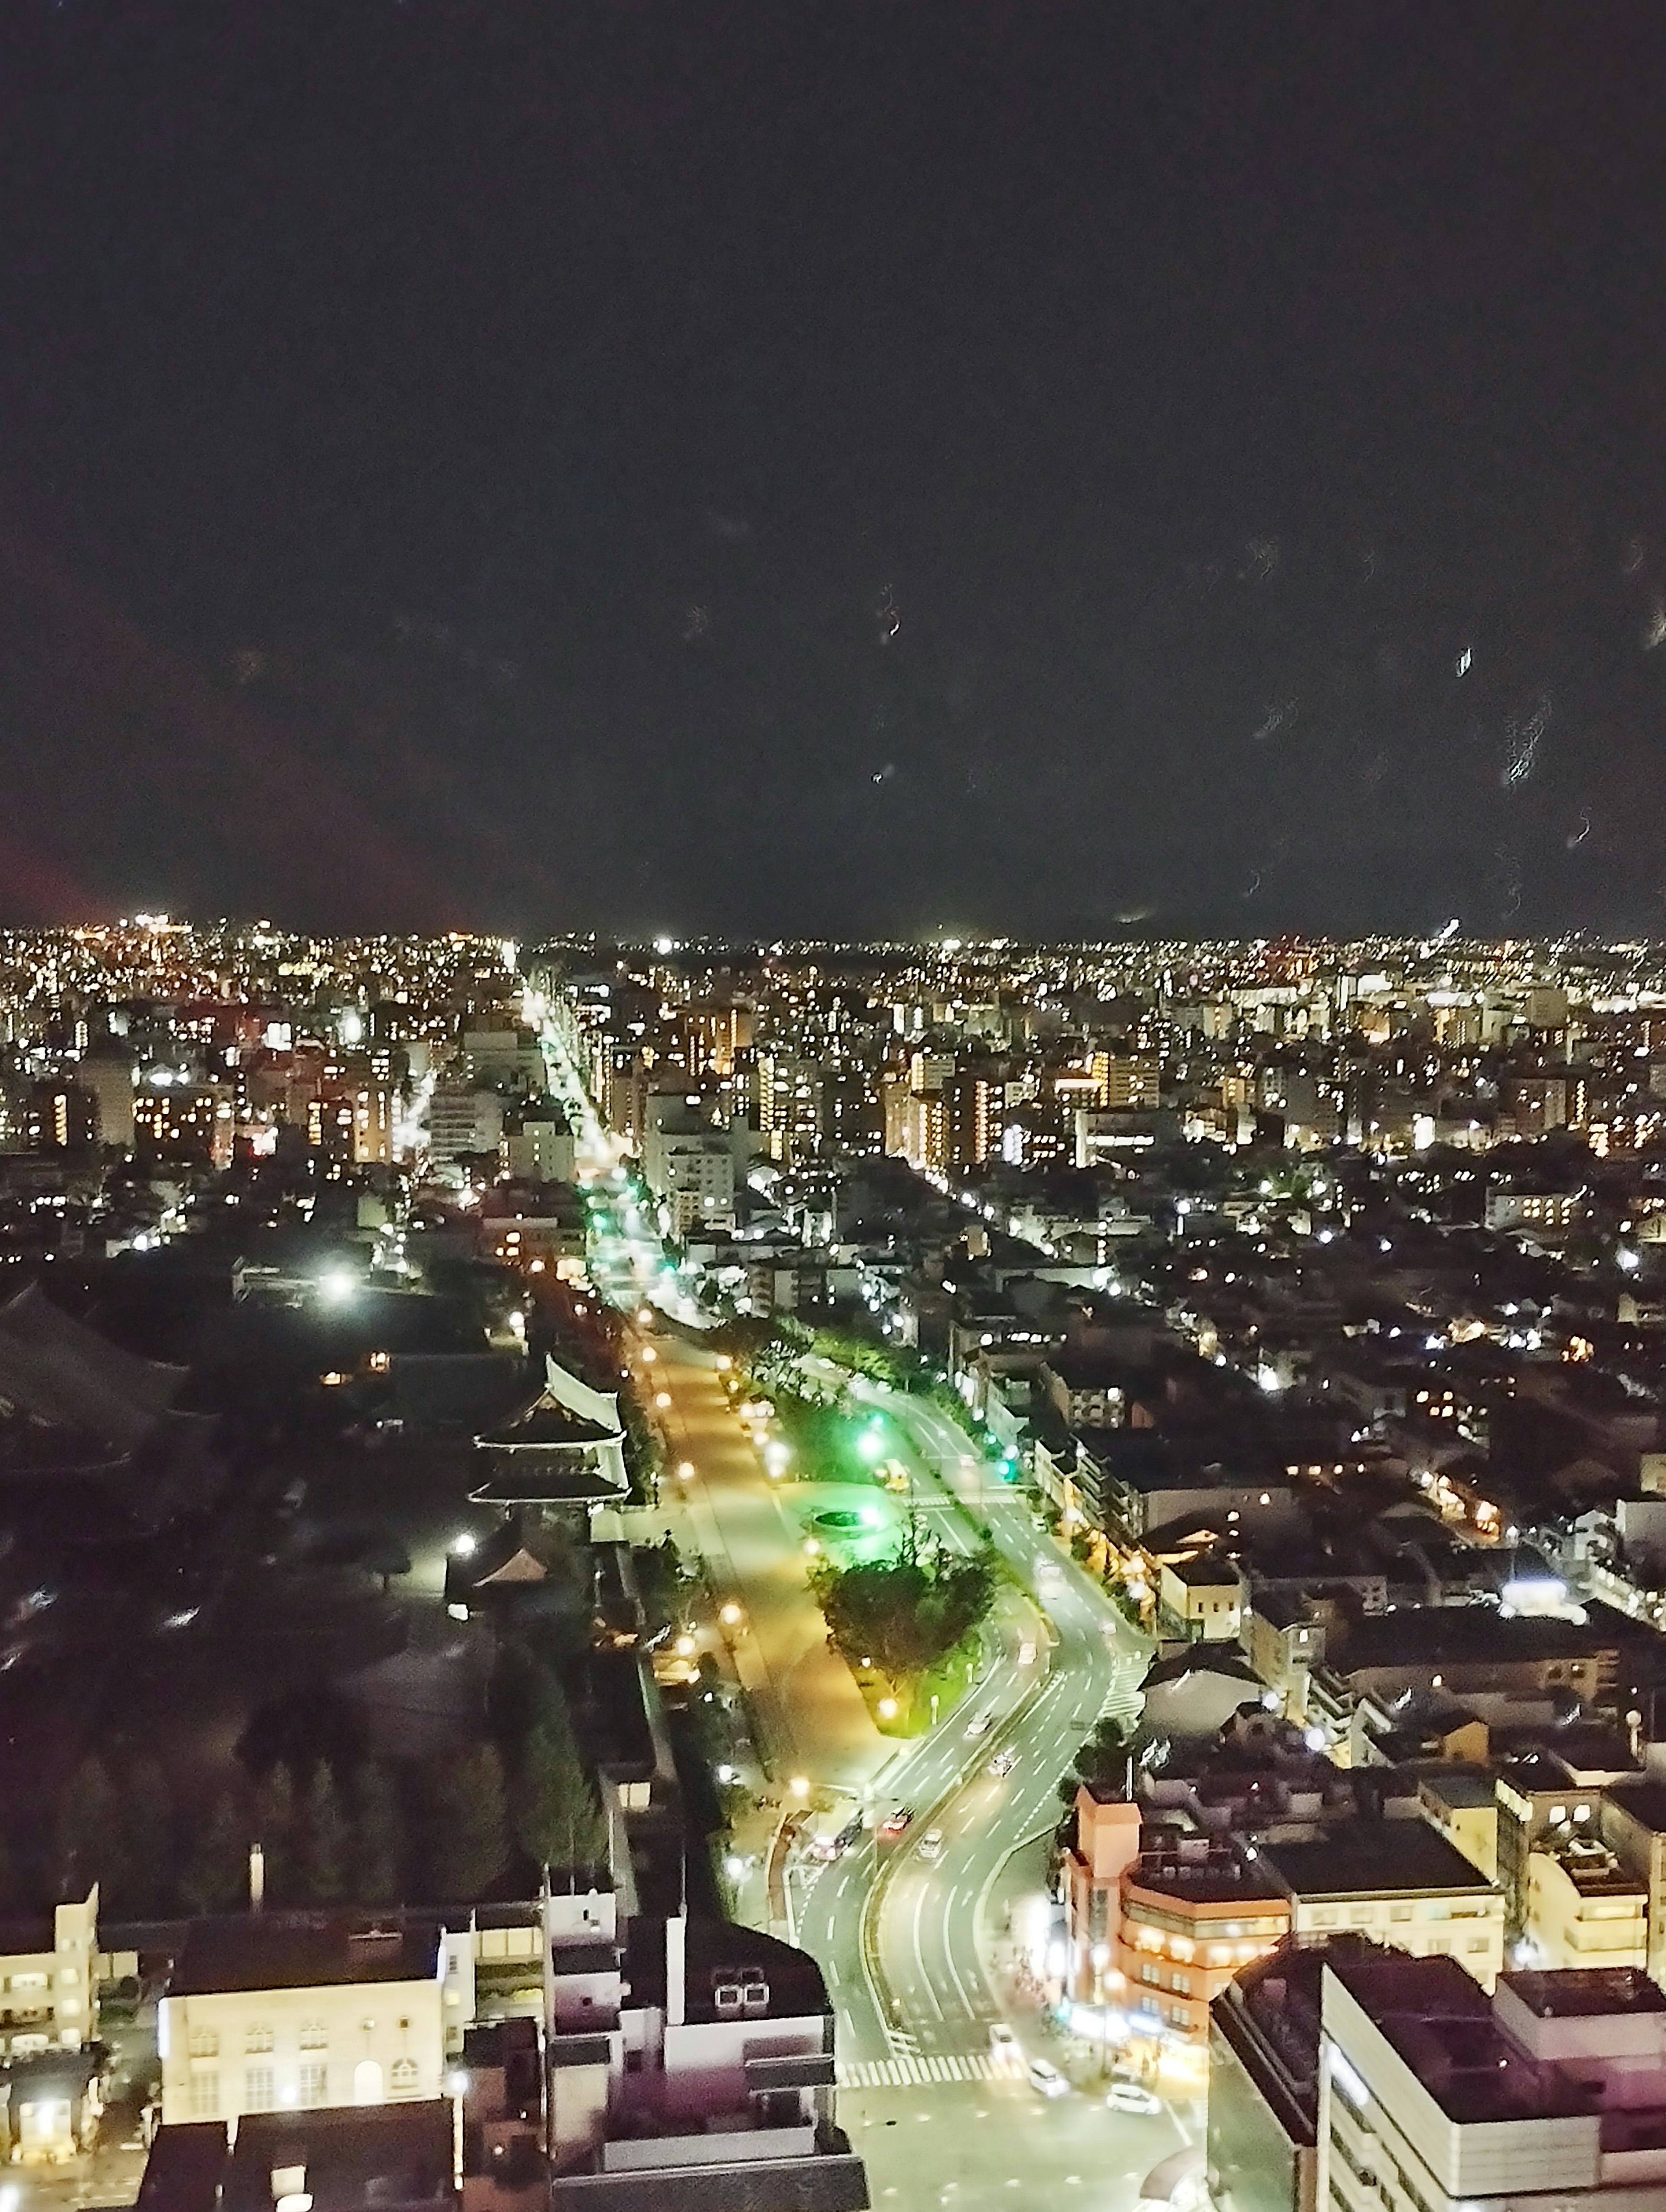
[{"x": 911, "y": 2072}]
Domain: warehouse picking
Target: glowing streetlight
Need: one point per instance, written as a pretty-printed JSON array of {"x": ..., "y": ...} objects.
[
  {"x": 799, "y": 1786},
  {"x": 730, "y": 1616},
  {"x": 887, "y": 1709}
]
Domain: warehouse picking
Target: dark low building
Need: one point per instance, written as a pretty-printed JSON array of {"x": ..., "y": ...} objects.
[{"x": 1264, "y": 2078}]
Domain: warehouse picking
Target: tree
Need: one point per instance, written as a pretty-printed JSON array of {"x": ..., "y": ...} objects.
[
  {"x": 558, "y": 1820},
  {"x": 907, "y": 1613},
  {"x": 1102, "y": 1762},
  {"x": 378, "y": 1839},
  {"x": 325, "y": 1841},
  {"x": 468, "y": 1837},
  {"x": 149, "y": 1819},
  {"x": 216, "y": 1877},
  {"x": 274, "y": 1830},
  {"x": 9, "y": 1886},
  {"x": 89, "y": 1844}
]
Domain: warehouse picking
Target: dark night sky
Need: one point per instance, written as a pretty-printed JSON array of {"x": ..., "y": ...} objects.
[{"x": 807, "y": 467}]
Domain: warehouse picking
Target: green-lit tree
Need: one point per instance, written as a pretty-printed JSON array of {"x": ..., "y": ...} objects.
[
  {"x": 215, "y": 1878},
  {"x": 468, "y": 1831},
  {"x": 323, "y": 1841},
  {"x": 88, "y": 1835},
  {"x": 906, "y": 1613},
  {"x": 379, "y": 1837}
]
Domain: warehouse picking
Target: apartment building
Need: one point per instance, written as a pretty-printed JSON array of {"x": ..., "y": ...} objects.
[
  {"x": 49, "y": 1979},
  {"x": 1583, "y": 1908}
]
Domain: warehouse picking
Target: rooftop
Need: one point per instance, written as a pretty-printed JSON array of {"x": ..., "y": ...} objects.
[
  {"x": 715, "y": 1953},
  {"x": 1489, "y": 2060},
  {"x": 301, "y": 1950},
  {"x": 1390, "y": 1858},
  {"x": 1587, "y": 1993}
]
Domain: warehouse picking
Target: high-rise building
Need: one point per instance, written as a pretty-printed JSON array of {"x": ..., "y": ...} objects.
[
  {"x": 789, "y": 1105},
  {"x": 973, "y": 1104}
]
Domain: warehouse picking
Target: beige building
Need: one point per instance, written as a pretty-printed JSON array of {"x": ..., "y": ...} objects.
[
  {"x": 1399, "y": 1882},
  {"x": 1200, "y": 1600},
  {"x": 49, "y": 1979},
  {"x": 1460, "y": 1798},
  {"x": 276, "y": 2011},
  {"x": 1632, "y": 1815},
  {"x": 1583, "y": 1909}
]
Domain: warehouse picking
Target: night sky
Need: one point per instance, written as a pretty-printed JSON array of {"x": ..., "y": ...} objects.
[{"x": 834, "y": 468}]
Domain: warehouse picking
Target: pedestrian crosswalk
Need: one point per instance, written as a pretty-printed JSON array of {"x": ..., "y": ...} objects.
[{"x": 913, "y": 2071}]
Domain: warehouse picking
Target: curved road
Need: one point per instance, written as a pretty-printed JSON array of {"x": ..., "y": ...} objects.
[
  {"x": 904, "y": 1943},
  {"x": 916, "y": 1931}
]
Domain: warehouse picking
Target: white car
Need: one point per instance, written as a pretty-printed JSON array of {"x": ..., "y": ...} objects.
[
  {"x": 1004, "y": 1761},
  {"x": 1003, "y": 2044},
  {"x": 931, "y": 1845},
  {"x": 1132, "y": 2096},
  {"x": 979, "y": 1724},
  {"x": 1046, "y": 2080},
  {"x": 1027, "y": 1653}
]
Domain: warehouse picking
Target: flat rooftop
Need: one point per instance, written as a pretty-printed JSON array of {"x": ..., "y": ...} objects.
[
  {"x": 300, "y": 1951},
  {"x": 1586, "y": 1992},
  {"x": 1388, "y": 1858}
]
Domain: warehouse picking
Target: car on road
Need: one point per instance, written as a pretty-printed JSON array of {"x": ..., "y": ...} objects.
[
  {"x": 979, "y": 1724},
  {"x": 931, "y": 1845},
  {"x": 894, "y": 1823},
  {"x": 1133, "y": 2097},
  {"x": 1046, "y": 2079},
  {"x": 1003, "y": 2044},
  {"x": 1027, "y": 1653},
  {"x": 1004, "y": 1761}
]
